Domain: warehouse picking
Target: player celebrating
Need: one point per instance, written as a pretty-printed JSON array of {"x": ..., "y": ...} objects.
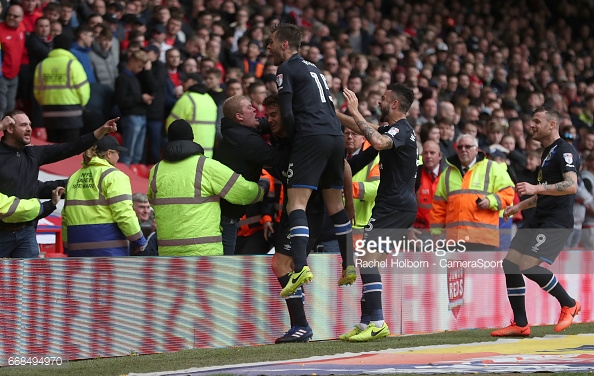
[
  {"x": 317, "y": 157},
  {"x": 543, "y": 237},
  {"x": 395, "y": 205},
  {"x": 282, "y": 260}
]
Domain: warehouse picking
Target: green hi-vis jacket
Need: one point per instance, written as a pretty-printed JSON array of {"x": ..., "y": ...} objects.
[
  {"x": 185, "y": 195},
  {"x": 15, "y": 210},
  {"x": 201, "y": 112}
]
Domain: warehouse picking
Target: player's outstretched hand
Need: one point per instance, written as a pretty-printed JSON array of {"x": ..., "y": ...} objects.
[
  {"x": 509, "y": 211},
  {"x": 110, "y": 126},
  {"x": 6, "y": 122},
  {"x": 57, "y": 195},
  {"x": 412, "y": 233},
  {"x": 352, "y": 101}
]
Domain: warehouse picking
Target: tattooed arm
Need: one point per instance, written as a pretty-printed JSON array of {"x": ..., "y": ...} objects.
[
  {"x": 377, "y": 140},
  {"x": 567, "y": 186}
]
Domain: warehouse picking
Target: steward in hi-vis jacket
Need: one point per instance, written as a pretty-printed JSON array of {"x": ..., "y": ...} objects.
[
  {"x": 98, "y": 218},
  {"x": 185, "y": 189}
]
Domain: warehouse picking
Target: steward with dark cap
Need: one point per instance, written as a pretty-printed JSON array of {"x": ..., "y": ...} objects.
[
  {"x": 98, "y": 219},
  {"x": 185, "y": 189}
]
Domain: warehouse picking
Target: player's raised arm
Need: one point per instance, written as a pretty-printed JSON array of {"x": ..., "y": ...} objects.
[
  {"x": 347, "y": 121},
  {"x": 377, "y": 140}
]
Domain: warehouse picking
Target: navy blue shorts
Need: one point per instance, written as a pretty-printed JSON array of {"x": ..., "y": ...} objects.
[
  {"x": 317, "y": 161},
  {"x": 543, "y": 241}
]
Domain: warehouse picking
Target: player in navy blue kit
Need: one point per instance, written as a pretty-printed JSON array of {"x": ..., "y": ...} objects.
[
  {"x": 543, "y": 237},
  {"x": 317, "y": 156},
  {"x": 395, "y": 207}
]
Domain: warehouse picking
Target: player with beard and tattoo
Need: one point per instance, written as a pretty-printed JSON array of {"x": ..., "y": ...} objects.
[
  {"x": 395, "y": 204},
  {"x": 545, "y": 234}
]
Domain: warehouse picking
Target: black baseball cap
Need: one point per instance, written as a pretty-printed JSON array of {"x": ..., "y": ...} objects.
[
  {"x": 159, "y": 29},
  {"x": 109, "y": 142},
  {"x": 117, "y": 5},
  {"x": 194, "y": 76},
  {"x": 152, "y": 47},
  {"x": 110, "y": 17}
]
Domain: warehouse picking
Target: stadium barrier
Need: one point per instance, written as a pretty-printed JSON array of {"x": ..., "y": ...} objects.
[{"x": 103, "y": 307}]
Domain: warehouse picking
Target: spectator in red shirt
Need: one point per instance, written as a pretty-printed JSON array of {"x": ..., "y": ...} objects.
[
  {"x": 31, "y": 13},
  {"x": 12, "y": 40},
  {"x": 257, "y": 93}
]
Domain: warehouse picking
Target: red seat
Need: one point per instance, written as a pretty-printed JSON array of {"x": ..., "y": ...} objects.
[
  {"x": 118, "y": 136},
  {"x": 55, "y": 255},
  {"x": 40, "y": 133},
  {"x": 141, "y": 170}
]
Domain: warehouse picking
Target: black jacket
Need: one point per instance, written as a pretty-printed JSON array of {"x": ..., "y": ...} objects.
[
  {"x": 244, "y": 151},
  {"x": 153, "y": 82},
  {"x": 19, "y": 168},
  {"x": 128, "y": 94},
  {"x": 38, "y": 49}
]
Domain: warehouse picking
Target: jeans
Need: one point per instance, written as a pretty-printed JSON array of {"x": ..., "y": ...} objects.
[
  {"x": 330, "y": 246},
  {"x": 505, "y": 234},
  {"x": 134, "y": 132},
  {"x": 230, "y": 227},
  {"x": 8, "y": 90},
  {"x": 154, "y": 130},
  {"x": 19, "y": 244}
]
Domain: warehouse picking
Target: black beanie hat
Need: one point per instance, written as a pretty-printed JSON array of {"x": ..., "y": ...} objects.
[
  {"x": 62, "y": 41},
  {"x": 180, "y": 130}
]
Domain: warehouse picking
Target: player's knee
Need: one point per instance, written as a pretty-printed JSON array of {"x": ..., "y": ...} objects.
[
  {"x": 297, "y": 198},
  {"x": 274, "y": 264},
  {"x": 510, "y": 267},
  {"x": 526, "y": 266},
  {"x": 281, "y": 264}
]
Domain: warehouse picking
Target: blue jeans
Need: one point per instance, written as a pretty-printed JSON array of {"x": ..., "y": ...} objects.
[
  {"x": 134, "y": 133},
  {"x": 19, "y": 244},
  {"x": 230, "y": 227},
  {"x": 8, "y": 91},
  {"x": 155, "y": 138},
  {"x": 330, "y": 246},
  {"x": 505, "y": 234}
]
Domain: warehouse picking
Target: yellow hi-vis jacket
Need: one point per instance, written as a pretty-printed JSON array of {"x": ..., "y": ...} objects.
[
  {"x": 98, "y": 218},
  {"x": 15, "y": 210},
  {"x": 185, "y": 195},
  {"x": 200, "y": 110},
  {"x": 455, "y": 207},
  {"x": 60, "y": 86},
  {"x": 365, "y": 184}
]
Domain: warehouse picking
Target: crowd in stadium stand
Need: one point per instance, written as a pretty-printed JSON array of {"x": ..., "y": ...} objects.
[{"x": 475, "y": 67}]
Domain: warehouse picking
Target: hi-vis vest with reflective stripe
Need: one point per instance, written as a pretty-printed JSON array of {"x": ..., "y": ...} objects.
[
  {"x": 258, "y": 214},
  {"x": 15, "y": 210},
  {"x": 98, "y": 218},
  {"x": 200, "y": 110},
  {"x": 455, "y": 208},
  {"x": 365, "y": 183},
  {"x": 425, "y": 195},
  {"x": 61, "y": 82},
  {"x": 185, "y": 195}
]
